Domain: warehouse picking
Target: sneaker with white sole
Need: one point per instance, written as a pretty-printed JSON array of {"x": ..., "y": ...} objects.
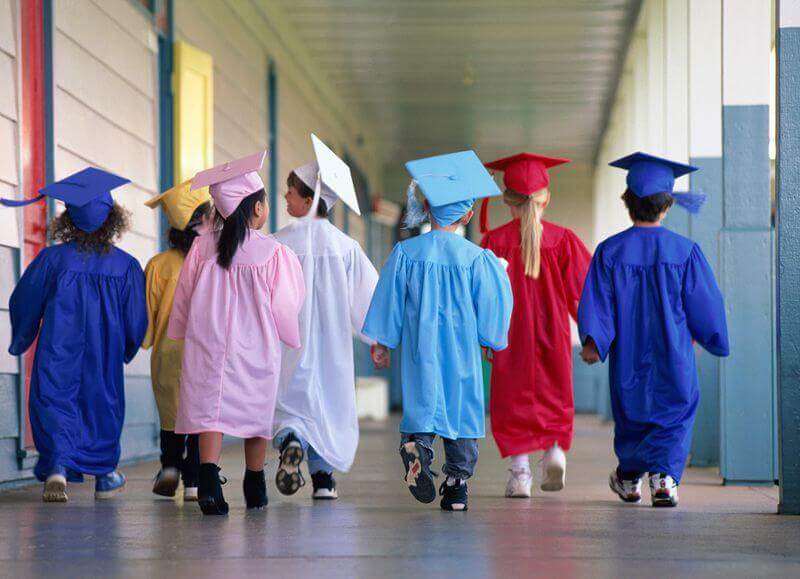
[
  {"x": 189, "y": 494},
  {"x": 166, "y": 482},
  {"x": 554, "y": 469},
  {"x": 519, "y": 484},
  {"x": 55, "y": 487},
  {"x": 663, "y": 490},
  {"x": 108, "y": 485},
  {"x": 324, "y": 486},
  {"x": 630, "y": 491}
]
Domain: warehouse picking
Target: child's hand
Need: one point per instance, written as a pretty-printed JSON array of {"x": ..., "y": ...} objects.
[
  {"x": 589, "y": 353},
  {"x": 487, "y": 353},
  {"x": 380, "y": 356}
]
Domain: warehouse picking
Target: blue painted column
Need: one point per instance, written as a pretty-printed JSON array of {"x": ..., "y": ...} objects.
[
  {"x": 272, "y": 117},
  {"x": 166, "y": 109},
  {"x": 746, "y": 246},
  {"x": 705, "y": 152},
  {"x": 787, "y": 186}
]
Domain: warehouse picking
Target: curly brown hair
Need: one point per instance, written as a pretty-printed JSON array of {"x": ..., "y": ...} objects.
[{"x": 62, "y": 229}]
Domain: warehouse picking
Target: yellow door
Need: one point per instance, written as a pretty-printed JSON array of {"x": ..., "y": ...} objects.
[{"x": 194, "y": 110}]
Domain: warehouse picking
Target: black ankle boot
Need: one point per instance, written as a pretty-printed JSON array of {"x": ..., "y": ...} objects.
[
  {"x": 209, "y": 491},
  {"x": 255, "y": 489}
]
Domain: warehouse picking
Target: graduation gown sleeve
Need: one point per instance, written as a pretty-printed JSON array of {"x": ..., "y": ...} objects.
[
  {"x": 288, "y": 294},
  {"x": 575, "y": 258},
  {"x": 596, "y": 310},
  {"x": 135, "y": 310},
  {"x": 179, "y": 316},
  {"x": 704, "y": 305},
  {"x": 153, "y": 291},
  {"x": 384, "y": 321},
  {"x": 27, "y": 304},
  {"x": 362, "y": 279},
  {"x": 491, "y": 293}
]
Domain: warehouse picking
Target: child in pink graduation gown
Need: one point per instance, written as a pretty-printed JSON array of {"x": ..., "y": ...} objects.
[{"x": 238, "y": 297}]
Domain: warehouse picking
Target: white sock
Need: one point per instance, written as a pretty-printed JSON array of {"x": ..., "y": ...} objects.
[
  {"x": 451, "y": 481},
  {"x": 519, "y": 462}
]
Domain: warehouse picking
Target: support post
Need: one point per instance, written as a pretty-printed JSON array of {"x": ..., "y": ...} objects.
[
  {"x": 747, "y": 387},
  {"x": 787, "y": 187}
]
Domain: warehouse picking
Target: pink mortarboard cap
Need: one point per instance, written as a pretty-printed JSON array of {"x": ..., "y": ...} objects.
[{"x": 231, "y": 182}]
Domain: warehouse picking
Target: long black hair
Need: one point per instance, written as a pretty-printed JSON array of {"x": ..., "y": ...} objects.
[
  {"x": 235, "y": 226},
  {"x": 307, "y": 193},
  {"x": 181, "y": 239}
]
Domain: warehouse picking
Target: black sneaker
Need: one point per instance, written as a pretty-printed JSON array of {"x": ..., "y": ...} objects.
[
  {"x": 454, "y": 496},
  {"x": 419, "y": 477},
  {"x": 209, "y": 490},
  {"x": 255, "y": 489},
  {"x": 288, "y": 478},
  {"x": 324, "y": 486}
]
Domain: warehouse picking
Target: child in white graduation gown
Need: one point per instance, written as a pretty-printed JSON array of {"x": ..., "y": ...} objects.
[{"x": 315, "y": 416}]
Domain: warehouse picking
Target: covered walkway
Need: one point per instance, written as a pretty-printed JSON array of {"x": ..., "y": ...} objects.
[{"x": 377, "y": 530}]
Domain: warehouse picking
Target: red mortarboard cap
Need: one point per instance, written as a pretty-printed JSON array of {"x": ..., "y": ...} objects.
[{"x": 523, "y": 173}]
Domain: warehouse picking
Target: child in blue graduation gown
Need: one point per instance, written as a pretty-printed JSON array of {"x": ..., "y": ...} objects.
[
  {"x": 444, "y": 298},
  {"x": 88, "y": 297},
  {"x": 650, "y": 293}
]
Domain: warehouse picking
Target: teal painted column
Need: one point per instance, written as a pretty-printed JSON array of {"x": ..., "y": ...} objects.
[
  {"x": 272, "y": 139},
  {"x": 746, "y": 247},
  {"x": 787, "y": 186}
]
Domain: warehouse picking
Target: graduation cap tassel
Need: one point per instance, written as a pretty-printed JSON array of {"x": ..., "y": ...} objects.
[
  {"x": 691, "y": 202},
  {"x": 415, "y": 212}
]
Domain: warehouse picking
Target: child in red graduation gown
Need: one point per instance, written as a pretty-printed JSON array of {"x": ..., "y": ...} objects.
[{"x": 531, "y": 403}]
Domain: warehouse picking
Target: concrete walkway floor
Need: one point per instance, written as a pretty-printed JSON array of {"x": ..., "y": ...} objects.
[{"x": 376, "y": 529}]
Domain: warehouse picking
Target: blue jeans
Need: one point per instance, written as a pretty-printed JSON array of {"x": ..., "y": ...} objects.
[
  {"x": 315, "y": 462},
  {"x": 460, "y": 455}
]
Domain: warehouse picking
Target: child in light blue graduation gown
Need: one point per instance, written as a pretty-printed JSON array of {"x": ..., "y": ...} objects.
[
  {"x": 649, "y": 294},
  {"x": 444, "y": 298},
  {"x": 85, "y": 300}
]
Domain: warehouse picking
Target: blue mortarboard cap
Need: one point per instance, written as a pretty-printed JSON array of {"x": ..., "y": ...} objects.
[
  {"x": 86, "y": 194},
  {"x": 650, "y": 175},
  {"x": 451, "y": 183}
]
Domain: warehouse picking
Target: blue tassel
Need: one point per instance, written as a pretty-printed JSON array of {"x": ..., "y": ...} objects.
[
  {"x": 691, "y": 202},
  {"x": 415, "y": 212}
]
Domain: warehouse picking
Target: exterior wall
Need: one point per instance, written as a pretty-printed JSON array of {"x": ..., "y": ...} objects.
[
  {"x": 9, "y": 252},
  {"x": 105, "y": 114},
  {"x": 255, "y": 33}
]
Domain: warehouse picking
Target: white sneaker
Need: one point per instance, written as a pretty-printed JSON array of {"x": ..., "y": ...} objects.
[
  {"x": 55, "y": 489},
  {"x": 630, "y": 491},
  {"x": 519, "y": 484},
  {"x": 554, "y": 469},
  {"x": 663, "y": 490},
  {"x": 190, "y": 494}
]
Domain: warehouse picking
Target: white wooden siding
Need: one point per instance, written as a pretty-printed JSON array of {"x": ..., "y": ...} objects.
[
  {"x": 105, "y": 104},
  {"x": 239, "y": 36},
  {"x": 9, "y": 130}
]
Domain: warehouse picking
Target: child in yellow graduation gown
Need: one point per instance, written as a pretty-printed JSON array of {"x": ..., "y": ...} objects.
[{"x": 186, "y": 213}]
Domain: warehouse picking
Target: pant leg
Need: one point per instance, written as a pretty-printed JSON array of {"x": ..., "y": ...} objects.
[
  {"x": 424, "y": 439},
  {"x": 316, "y": 463},
  {"x": 460, "y": 457},
  {"x": 190, "y": 473},
  {"x": 172, "y": 446}
]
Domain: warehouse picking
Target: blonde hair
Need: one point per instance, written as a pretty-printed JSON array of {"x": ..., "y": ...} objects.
[{"x": 530, "y": 226}]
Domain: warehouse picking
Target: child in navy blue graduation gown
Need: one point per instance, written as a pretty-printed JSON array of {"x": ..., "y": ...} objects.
[
  {"x": 88, "y": 298},
  {"x": 649, "y": 294}
]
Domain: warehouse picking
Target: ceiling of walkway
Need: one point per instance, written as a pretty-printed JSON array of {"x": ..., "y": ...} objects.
[{"x": 496, "y": 75}]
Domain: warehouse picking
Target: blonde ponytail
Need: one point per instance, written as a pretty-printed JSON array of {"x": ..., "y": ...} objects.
[{"x": 530, "y": 227}]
